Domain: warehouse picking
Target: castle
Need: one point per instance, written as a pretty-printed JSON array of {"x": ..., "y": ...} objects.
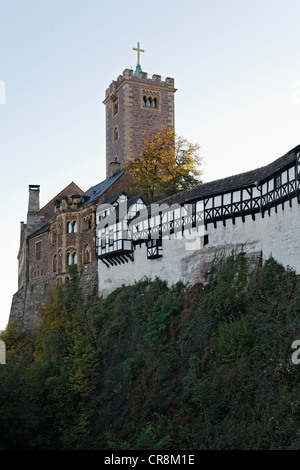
[{"x": 115, "y": 240}]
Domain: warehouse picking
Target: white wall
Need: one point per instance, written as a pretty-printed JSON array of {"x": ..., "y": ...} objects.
[{"x": 277, "y": 235}]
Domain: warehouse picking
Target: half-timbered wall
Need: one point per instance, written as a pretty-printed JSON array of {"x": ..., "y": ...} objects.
[{"x": 179, "y": 242}]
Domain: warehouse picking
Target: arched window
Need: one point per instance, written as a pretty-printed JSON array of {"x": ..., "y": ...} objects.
[
  {"x": 116, "y": 134},
  {"x": 72, "y": 227},
  {"x": 144, "y": 100},
  {"x": 154, "y": 103},
  {"x": 71, "y": 258},
  {"x": 149, "y": 102}
]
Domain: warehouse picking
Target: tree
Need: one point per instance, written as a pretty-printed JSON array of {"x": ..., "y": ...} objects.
[{"x": 168, "y": 164}]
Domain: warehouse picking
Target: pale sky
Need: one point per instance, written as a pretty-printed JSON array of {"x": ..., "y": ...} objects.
[{"x": 236, "y": 68}]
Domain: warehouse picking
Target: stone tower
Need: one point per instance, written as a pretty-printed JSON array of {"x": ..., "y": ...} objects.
[{"x": 136, "y": 104}]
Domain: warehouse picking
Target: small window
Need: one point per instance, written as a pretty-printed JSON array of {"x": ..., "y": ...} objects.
[
  {"x": 277, "y": 182},
  {"x": 74, "y": 227},
  {"x": 69, "y": 227},
  {"x": 115, "y": 107},
  {"x": 144, "y": 101},
  {"x": 149, "y": 102},
  {"x": 38, "y": 251},
  {"x": 116, "y": 134},
  {"x": 154, "y": 103},
  {"x": 54, "y": 266}
]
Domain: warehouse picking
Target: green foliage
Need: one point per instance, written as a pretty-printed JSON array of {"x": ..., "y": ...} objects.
[
  {"x": 235, "y": 338},
  {"x": 152, "y": 367}
]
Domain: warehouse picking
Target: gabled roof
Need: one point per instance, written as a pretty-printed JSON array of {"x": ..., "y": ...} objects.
[
  {"x": 96, "y": 191},
  {"x": 72, "y": 188}
]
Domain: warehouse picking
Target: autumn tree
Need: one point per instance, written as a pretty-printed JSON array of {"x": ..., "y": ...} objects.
[{"x": 168, "y": 164}]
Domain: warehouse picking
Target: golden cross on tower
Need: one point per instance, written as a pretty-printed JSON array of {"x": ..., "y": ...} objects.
[{"x": 138, "y": 52}]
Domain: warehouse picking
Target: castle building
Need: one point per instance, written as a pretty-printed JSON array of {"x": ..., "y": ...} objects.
[
  {"x": 115, "y": 240},
  {"x": 63, "y": 232}
]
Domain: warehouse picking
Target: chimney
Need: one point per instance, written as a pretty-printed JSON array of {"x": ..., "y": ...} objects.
[
  {"x": 33, "y": 208},
  {"x": 34, "y": 198}
]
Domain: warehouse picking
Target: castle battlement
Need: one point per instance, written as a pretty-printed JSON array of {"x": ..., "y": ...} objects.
[{"x": 143, "y": 78}]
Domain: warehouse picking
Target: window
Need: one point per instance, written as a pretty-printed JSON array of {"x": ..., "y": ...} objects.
[
  {"x": 150, "y": 101},
  {"x": 54, "y": 264},
  {"x": 154, "y": 248},
  {"x": 38, "y": 251},
  {"x": 72, "y": 227},
  {"x": 115, "y": 107},
  {"x": 71, "y": 258},
  {"x": 277, "y": 182},
  {"x": 116, "y": 134}
]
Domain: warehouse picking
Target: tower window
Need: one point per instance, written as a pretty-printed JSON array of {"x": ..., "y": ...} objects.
[
  {"x": 150, "y": 101},
  {"x": 115, "y": 107},
  {"x": 116, "y": 134}
]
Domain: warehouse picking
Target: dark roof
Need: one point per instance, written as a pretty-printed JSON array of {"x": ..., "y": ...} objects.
[
  {"x": 239, "y": 181},
  {"x": 113, "y": 198},
  {"x": 95, "y": 192},
  {"x": 43, "y": 229}
]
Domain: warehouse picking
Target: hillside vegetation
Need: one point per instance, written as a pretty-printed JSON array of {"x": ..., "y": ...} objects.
[{"x": 152, "y": 367}]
